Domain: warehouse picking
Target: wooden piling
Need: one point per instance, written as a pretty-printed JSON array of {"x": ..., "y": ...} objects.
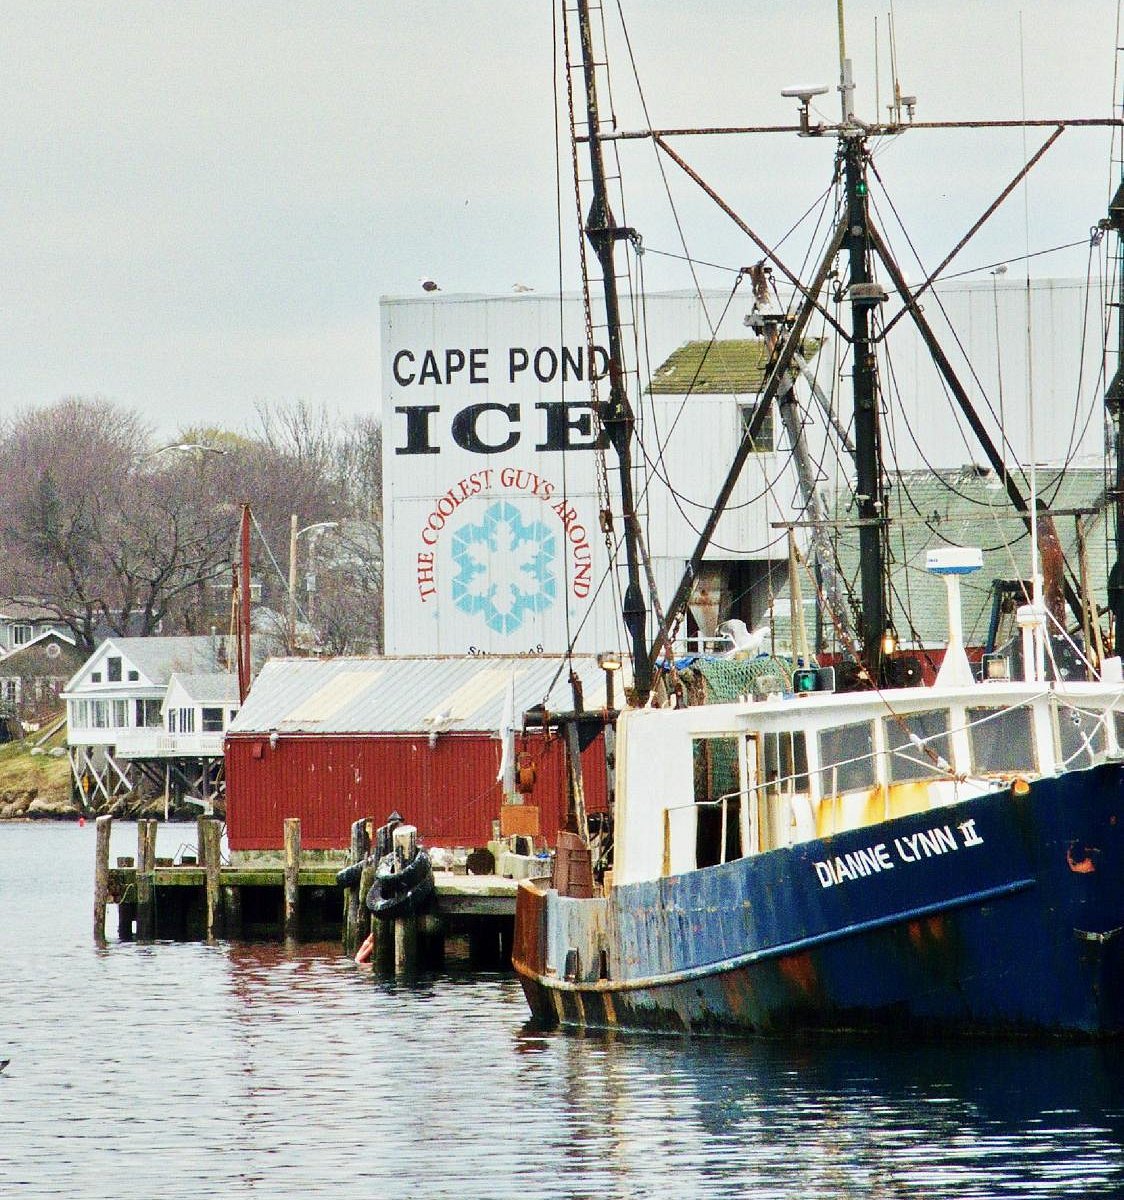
[
  {"x": 211, "y": 856},
  {"x": 146, "y": 871},
  {"x": 405, "y": 945},
  {"x": 360, "y": 846},
  {"x": 101, "y": 877},
  {"x": 232, "y": 912},
  {"x": 292, "y": 876}
]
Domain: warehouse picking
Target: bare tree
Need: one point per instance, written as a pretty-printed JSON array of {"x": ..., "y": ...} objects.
[{"x": 114, "y": 535}]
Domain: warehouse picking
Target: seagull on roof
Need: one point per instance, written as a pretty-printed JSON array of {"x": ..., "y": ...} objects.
[
  {"x": 428, "y": 285},
  {"x": 743, "y": 643},
  {"x": 521, "y": 287}
]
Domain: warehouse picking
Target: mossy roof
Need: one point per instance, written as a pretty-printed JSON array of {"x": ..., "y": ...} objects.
[{"x": 717, "y": 368}]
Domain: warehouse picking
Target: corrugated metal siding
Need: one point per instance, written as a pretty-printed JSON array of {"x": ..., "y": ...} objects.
[{"x": 449, "y": 792}]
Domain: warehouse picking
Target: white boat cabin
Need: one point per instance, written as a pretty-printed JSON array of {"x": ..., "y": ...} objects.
[{"x": 701, "y": 785}]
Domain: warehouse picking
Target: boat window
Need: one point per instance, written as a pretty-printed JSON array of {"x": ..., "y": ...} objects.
[
  {"x": 907, "y": 759},
  {"x": 847, "y": 758},
  {"x": 1082, "y": 737},
  {"x": 785, "y": 765},
  {"x": 1002, "y": 740},
  {"x": 717, "y": 800},
  {"x": 1118, "y": 725}
]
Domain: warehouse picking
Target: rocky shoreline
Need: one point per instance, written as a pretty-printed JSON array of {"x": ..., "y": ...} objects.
[{"x": 34, "y": 804}]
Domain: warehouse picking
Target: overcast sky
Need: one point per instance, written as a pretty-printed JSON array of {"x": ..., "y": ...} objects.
[{"x": 201, "y": 203}]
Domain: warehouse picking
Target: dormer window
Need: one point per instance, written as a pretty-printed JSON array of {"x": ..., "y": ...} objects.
[{"x": 22, "y": 634}]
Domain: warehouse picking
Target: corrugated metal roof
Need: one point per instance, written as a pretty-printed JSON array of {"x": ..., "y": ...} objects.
[{"x": 411, "y": 694}]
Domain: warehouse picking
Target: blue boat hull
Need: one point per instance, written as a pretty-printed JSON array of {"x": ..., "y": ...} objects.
[{"x": 1003, "y": 914}]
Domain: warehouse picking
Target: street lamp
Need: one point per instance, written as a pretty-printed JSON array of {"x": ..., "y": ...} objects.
[{"x": 295, "y": 533}]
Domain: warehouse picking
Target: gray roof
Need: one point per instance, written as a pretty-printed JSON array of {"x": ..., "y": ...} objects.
[
  {"x": 410, "y": 695},
  {"x": 968, "y": 507},
  {"x": 159, "y": 657},
  {"x": 212, "y": 688}
]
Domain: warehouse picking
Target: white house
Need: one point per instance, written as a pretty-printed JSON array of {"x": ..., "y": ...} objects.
[
  {"x": 137, "y": 707},
  {"x": 197, "y": 711}
]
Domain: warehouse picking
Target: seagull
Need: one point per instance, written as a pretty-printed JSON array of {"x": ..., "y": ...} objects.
[
  {"x": 745, "y": 644},
  {"x": 428, "y": 285},
  {"x": 522, "y": 287}
]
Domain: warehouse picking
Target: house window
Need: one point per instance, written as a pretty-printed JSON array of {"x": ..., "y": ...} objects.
[
  {"x": 134, "y": 676},
  {"x": 95, "y": 677},
  {"x": 113, "y": 670},
  {"x": 10, "y": 687},
  {"x": 147, "y": 713},
  {"x": 121, "y": 714},
  {"x": 21, "y": 634},
  {"x": 99, "y": 714},
  {"x": 764, "y": 442},
  {"x": 181, "y": 720},
  {"x": 212, "y": 720}
]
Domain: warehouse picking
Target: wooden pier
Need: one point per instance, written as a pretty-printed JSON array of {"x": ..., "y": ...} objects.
[{"x": 201, "y": 898}]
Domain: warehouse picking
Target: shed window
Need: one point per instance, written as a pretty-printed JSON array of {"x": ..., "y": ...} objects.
[
  {"x": 212, "y": 720},
  {"x": 847, "y": 758},
  {"x": 1002, "y": 740},
  {"x": 907, "y": 759},
  {"x": 764, "y": 442}
]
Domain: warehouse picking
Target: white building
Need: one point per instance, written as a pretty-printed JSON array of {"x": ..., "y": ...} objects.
[
  {"x": 148, "y": 707},
  {"x": 494, "y": 489}
]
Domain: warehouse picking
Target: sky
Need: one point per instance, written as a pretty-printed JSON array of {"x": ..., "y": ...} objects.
[{"x": 202, "y": 202}]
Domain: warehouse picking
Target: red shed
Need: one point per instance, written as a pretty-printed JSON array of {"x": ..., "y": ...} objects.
[{"x": 332, "y": 741}]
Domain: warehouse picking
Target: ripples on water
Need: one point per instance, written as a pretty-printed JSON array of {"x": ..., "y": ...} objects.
[{"x": 185, "y": 1070}]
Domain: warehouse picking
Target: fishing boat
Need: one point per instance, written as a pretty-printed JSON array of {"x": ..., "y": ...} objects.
[{"x": 850, "y": 847}]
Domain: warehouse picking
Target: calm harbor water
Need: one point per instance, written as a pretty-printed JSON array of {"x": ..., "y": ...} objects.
[{"x": 240, "y": 1070}]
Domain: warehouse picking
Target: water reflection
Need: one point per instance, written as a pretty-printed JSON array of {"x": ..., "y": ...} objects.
[{"x": 184, "y": 1070}]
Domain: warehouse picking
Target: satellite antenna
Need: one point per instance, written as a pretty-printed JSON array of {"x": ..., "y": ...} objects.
[{"x": 804, "y": 95}]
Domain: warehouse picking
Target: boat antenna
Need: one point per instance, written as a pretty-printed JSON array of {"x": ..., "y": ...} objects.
[
  {"x": 846, "y": 80},
  {"x": 616, "y": 413},
  {"x": 1114, "y": 400}
]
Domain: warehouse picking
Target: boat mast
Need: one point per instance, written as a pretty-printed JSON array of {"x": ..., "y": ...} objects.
[
  {"x": 616, "y": 413},
  {"x": 1114, "y": 403},
  {"x": 864, "y": 295}
]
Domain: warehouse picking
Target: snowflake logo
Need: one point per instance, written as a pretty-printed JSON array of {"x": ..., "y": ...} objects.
[{"x": 503, "y": 568}]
